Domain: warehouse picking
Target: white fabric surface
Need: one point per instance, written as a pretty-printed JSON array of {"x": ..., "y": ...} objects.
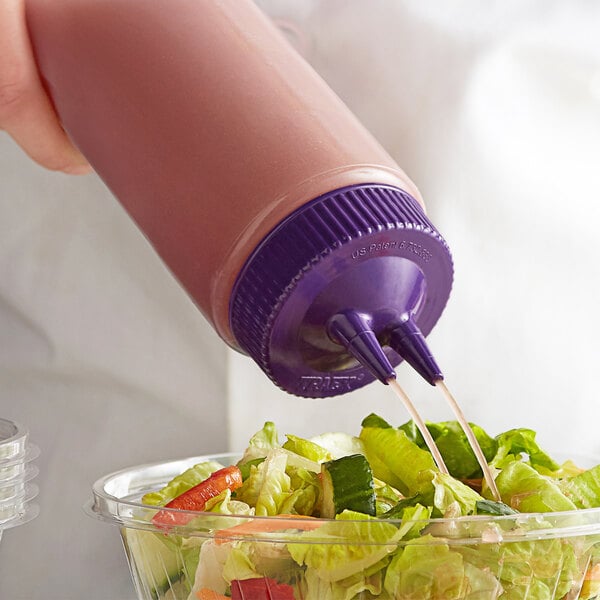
[{"x": 494, "y": 111}]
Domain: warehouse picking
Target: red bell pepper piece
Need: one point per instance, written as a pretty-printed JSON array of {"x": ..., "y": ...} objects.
[
  {"x": 260, "y": 589},
  {"x": 197, "y": 497}
]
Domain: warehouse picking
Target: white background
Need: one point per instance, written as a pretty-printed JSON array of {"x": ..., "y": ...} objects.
[{"x": 492, "y": 108}]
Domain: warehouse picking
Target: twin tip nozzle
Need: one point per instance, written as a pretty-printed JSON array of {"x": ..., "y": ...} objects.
[{"x": 354, "y": 330}]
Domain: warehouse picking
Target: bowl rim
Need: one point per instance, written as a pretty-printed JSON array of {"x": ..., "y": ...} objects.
[{"x": 132, "y": 514}]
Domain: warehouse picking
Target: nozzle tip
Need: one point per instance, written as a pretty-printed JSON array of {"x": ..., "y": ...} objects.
[
  {"x": 408, "y": 341},
  {"x": 352, "y": 330}
]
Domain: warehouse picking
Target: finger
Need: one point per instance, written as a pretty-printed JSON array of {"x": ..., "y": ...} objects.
[{"x": 26, "y": 112}]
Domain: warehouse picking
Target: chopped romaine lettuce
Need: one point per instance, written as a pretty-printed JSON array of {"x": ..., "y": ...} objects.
[
  {"x": 421, "y": 570},
  {"x": 583, "y": 489},
  {"x": 339, "y": 444},
  {"x": 306, "y": 448},
  {"x": 333, "y": 562},
  {"x": 260, "y": 443},
  {"x": 406, "y": 551},
  {"x": 514, "y": 443},
  {"x": 525, "y": 490},
  {"x": 450, "y": 492},
  {"x": 268, "y": 485},
  {"x": 398, "y": 461}
]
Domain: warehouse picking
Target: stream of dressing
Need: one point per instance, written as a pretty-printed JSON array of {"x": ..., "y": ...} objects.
[
  {"x": 416, "y": 417},
  {"x": 460, "y": 417}
]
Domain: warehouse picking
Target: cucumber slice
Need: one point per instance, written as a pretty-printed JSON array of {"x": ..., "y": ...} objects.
[
  {"x": 347, "y": 484},
  {"x": 157, "y": 562}
]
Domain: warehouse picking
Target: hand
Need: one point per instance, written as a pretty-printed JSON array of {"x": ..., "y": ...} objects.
[{"x": 26, "y": 112}]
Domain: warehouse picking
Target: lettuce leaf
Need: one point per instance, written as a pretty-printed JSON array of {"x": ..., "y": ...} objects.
[
  {"x": 525, "y": 490},
  {"x": 543, "y": 569},
  {"x": 209, "y": 573},
  {"x": 514, "y": 443},
  {"x": 456, "y": 450},
  {"x": 386, "y": 497},
  {"x": 224, "y": 504},
  {"x": 304, "y": 499},
  {"x": 239, "y": 564},
  {"x": 374, "y": 420},
  {"x": 450, "y": 492},
  {"x": 268, "y": 485},
  {"x": 339, "y": 444},
  {"x": 398, "y": 461},
  {"x": 454, "y": 446},
  {"x": 333, "y": 562},
  {"x": 306, "y": 448},
  {"x": 248, "y": 560},
  {"x": 414, "y": 520},
  {"x": 583, "y": 489},
  {"x": 370, "y": 580},
  {"x": 422, "y": 570},
  {"x": 260, "y": 443}
]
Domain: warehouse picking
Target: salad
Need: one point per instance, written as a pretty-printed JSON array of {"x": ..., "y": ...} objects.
[{"x": 369, "y": 516}]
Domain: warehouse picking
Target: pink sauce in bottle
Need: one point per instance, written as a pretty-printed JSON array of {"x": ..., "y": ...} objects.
[{"x": 215, "y": 135}]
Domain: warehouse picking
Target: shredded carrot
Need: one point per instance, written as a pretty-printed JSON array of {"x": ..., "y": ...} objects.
[
  {"x": 593, "y": 573},
  {"x": 267, "y": 526},
  {"x": 206, "y": 594}
]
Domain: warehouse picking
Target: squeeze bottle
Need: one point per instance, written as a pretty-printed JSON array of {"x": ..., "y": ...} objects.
[{"x": 293, "y": 231}]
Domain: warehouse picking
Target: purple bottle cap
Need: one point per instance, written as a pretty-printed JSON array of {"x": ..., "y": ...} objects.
[{"x": 332, "y": 283}]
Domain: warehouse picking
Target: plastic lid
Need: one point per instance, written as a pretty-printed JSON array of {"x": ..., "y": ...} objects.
[
  {"x": 16, "y": 472},
  {"x": 366, "y": 249}
]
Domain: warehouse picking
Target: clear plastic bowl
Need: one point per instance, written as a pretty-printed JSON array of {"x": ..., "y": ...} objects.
[
  {"x": 550, "y": 556},
  {"x": 16, "y": 473}
]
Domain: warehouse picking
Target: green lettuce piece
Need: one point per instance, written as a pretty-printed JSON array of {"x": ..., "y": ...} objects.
[
  {"x": 454, "y": 446},
  {"x": 209, "y": 571},
  {"x": 260, "y": 443},
  {"x": 374, "y": 420},
  {"x": 566, "y": 470},
  {"x": 332, "y": 561},
  {"x": 414, "y": 520},
  {"x": 247, "y": 466},
  {"x": 268, "y": 485},
  {"x": 369, "y": 580},
  {"x": 181, "y": 483},
  {"x": 544, "y": 569},
  {"x": 386, "y": 497},
  {"x": 398, "y": 461},
  {"x": 306, "y": 448},
  {"x": 482, "y": 583},
  {"x": 247, "y": 560},
  {"x": 427, "y": 570},
  {"x": 525, "y": 490},
  {"x": 239, "y": 564},
  {"x": 306, "y": 493},
  {"x": 583, "y": 489},
  {"x": 450, "y": 492},
  {"x": 339, "y": 444},
  {"x": 224, "y": 504},
  {"x": 456, "y": 450},
  {"x": 514, "y": 443}
]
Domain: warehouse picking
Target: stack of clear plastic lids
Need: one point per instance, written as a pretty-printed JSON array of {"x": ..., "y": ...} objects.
[{"x": 16, "y": 473}]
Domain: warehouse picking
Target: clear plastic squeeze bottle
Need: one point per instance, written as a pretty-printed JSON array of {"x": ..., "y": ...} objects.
[{"x": 294, "y": 232}]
